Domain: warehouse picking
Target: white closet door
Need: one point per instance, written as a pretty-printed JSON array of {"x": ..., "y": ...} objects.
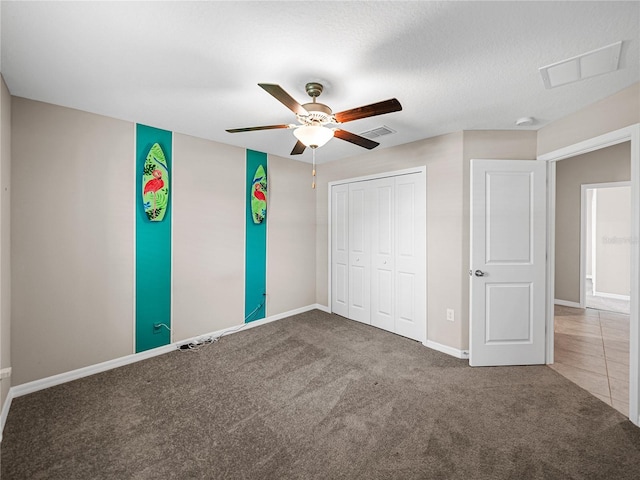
[
  {"x": 340, "y": 250},
  {"x": 359, "y": 256},
  {"x": 382, "y": 215},
  {"x": 378, "y": 248},
  {"x": 410, "y": 256}
]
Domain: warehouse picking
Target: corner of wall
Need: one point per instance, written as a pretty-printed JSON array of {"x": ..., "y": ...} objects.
[{"x": 5, "y": 239}]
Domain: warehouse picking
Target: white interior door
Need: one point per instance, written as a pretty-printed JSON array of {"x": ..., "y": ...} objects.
[
  {"x": 340, "y": 250},
  {"x": 508, "y": 257},
  {"x": 359, "y": 254}
]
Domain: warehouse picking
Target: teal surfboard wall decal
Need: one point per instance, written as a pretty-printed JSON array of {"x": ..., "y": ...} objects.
[
  {"x": 255, "y": 288},
  {"x": 153, "y": 239}
]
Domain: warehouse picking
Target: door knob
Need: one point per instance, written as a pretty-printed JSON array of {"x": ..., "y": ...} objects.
[{"x": 479, "y": 273}]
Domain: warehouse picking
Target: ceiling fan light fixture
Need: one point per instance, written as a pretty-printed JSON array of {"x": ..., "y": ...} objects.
[{"x": 313, "y": 136}]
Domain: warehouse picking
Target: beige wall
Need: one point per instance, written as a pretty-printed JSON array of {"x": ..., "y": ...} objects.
[
  {"x": 72, "y": 239},
  {"x": 208, "y": 236},
  {"x": 209, "y": 233},
  {"x": 5, "y": 237},
  {"x": 73, "y": 230},
  {"x": 611, "y": 164},
  {"x": 613, "y": 240},
  {"x": 612, "y": 113},
  {"x": 291, "y": 236},
  {"x": 442, "y": 157}
]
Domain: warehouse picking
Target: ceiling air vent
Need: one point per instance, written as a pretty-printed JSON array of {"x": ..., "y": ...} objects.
[
  {"x": 590, "y": 64},
  {"x": 377, "y": 132}
]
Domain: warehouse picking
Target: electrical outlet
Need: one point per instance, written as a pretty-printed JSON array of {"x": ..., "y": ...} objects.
[
  {"x": 157, "y": 328},
  {"x": 450, "y": 314},
  {"x": 5, "y": 372}
]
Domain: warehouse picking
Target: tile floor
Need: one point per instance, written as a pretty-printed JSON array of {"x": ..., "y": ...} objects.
[{"x": 592, "y": 350}]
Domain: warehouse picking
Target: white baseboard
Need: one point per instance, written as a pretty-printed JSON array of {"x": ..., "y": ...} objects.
[
  {"x": 567, "y": 303},
  {"x": 612, "y": 295},
  {"x": 41, "y": 384},
  {"x": 454, "y": 352},
  {"x": 290, "y": 313},
  {"x": 5, "y": 412},
  {"x": 52, "y": 381}
]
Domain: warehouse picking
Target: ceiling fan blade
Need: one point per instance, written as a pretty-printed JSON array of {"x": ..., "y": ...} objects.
[
  {"x": 355, "y": 139},
  {"x": 298, "y": 148},
  {"x": 287, "y": 100},
  {"x": 251, "y": 129},
  {"x": 380, "y": 108}
]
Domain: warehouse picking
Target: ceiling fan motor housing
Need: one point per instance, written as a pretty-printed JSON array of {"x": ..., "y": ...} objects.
[{"x": 319, "y": 114}]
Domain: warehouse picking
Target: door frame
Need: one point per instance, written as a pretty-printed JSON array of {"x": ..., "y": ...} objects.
[
  {"x": 583, "y": 230},
  {"x": 628, "y": 134},
  {"x": 395, "y": 173}
]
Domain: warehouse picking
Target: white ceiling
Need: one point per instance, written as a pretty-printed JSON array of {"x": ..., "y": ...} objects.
[{"x": 193, "y": 67}]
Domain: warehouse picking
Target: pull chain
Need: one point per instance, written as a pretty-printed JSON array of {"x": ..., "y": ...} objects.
[{"x": 313, "y": 172}]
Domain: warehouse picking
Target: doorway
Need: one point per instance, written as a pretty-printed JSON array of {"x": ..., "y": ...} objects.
[
  {"x": 591, "y": 345},
  {"x": 632, "y": 136},
  {"x": 592, "y": 342}
]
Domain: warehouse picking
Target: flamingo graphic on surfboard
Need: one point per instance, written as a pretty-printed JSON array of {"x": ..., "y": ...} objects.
[
  {"x": 258, "y": 196},
  {"x": 155, "y": 184}
]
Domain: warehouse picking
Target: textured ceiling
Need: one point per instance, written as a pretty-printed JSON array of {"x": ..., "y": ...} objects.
[{"x": 193, "y": 67}]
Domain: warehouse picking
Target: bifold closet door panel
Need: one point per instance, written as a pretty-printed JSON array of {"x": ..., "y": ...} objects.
[
  {"x": 359, "y": 252},
  {"x": 381, "y": 217},
  {"x": 378, "y": 248},
  {"x": 340, "y": 250},
  {"x": 410, "y": 257}
]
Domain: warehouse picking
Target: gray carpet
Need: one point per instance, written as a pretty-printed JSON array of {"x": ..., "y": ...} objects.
[{"x": 316, "y": 396}]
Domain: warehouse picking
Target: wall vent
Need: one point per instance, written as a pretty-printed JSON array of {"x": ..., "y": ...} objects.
[{"x": 377, "y": 132}]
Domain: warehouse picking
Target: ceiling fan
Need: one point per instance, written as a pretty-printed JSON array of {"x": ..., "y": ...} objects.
[{"x": 312, "y": 130}]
